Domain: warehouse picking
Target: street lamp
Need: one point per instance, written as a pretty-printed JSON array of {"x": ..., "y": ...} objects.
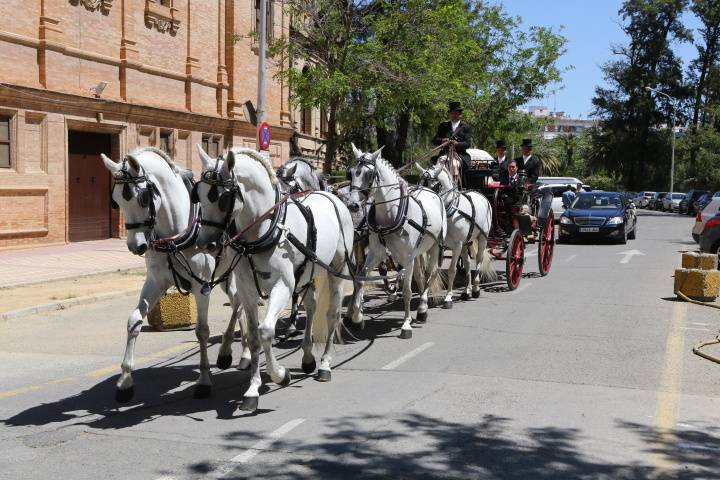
[{"x": 673, "y": 102}]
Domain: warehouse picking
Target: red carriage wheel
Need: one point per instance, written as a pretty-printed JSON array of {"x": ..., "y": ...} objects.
[
  {"x": 546, "y": 245},
  {"x": 514, "y": 259}
]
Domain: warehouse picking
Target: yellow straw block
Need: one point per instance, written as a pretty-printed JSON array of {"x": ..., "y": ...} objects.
[
  {"x": 703, "y": 261},
  {"x": 702, "y": 285},
  {"x": 174, "y": 310}
]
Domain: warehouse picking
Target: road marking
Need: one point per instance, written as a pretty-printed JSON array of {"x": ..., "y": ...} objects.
[
  {"x": 668, "y": 398},
  {"x": 571, "y": 258},
  {"x": 21, "y": 390},
  {"x": 695, "y": 328},
  {"x": 628, "y": 254},
  {"x": 698, "y": 323},
  {"x": 521, "y": 288},
  {"x": 266, "y": 443},
  {"x": 394, "y": 364}
]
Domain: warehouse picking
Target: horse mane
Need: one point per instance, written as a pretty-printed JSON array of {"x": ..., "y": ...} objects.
[
  {"x": 384, "y": 162},
  {"x": 259, "y": 158},
  {"x": 303, "y": 160},
  {"x": 160, "y": 153}
]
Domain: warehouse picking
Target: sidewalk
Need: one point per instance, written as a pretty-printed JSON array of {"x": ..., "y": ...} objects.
[{"x": 42, "y": 264}]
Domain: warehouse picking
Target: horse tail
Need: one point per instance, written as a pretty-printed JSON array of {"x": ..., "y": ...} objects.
[
  {"x": 320, "y": 328},
  {"x": 484, "y": 261}
]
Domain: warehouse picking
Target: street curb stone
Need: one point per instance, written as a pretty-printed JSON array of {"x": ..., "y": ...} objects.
[{"x": 63, "y": 304}]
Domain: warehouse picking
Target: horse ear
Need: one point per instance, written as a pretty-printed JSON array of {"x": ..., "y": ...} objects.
[
  {"x": 133, "y": 161},
  {"x": 110, "y": 164},
  {"x": 204, "y": 158},
  {"x": 375, "y": 155},
  {"x": 420, "y": 168},
  {"x": 291, "y": 172},
  {"x": 356, "y": 151},
  {"x": 230, "y": 160}
]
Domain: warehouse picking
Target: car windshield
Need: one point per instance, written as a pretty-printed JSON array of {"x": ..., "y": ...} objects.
[
  {"x": 604, "y": 201},
  {"x": 678, "y": 196},
  {"x": 649, "y": 194}
]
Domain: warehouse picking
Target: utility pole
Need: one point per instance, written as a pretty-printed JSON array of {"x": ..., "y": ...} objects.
[{"x": 261, "y": 65}]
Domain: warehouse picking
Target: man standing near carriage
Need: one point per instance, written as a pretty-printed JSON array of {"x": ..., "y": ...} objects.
[
  {"x": 456, "y": 135},
  {"x": 529, "y": 163}
]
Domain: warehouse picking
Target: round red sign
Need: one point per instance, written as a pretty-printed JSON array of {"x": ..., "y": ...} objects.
[{"x": 264, "y": 136}]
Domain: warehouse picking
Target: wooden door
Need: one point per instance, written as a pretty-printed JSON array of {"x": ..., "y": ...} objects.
[{"x": 88, "y": 190}]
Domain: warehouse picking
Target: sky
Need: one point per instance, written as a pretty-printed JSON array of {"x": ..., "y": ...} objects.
[{"x": 590, "y": 27}]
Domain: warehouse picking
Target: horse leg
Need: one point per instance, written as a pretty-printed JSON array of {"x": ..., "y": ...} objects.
[
  {"x": 406, "y": 329},
  {"x": 452, "y": 271},
  {"x": 483, "y": 266},
  {"x": 294, "y": 307},
  {"x": 335, "y": 285},
  {"x": 308, "y": 360},
  {"x": 421, "y": 284},
  {"x": 468, "y": 273},
  {"x": 203, "y": 386},
  {"x": 371, "y": 261},
  {"x": 252, "y": 394},
  {"x": 151, "y": 293},
  {"x": 224, "y": 358},
  {"x": 279, "y": 297}
]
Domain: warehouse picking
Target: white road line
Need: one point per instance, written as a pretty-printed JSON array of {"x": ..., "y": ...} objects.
[
  {"x": 165, "y": 477},
  {"x": 571, "y": 258},
  {"x": 524, "y": 286},
  {"x": 694, "y": 328},
  {"x": 698, "y": 323},
  {"x": 266, "y": 443},
  {"x": 407, "y": 356}
]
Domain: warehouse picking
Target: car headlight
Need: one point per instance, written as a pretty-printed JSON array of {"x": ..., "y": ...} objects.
[
  {"x": 566, "y": 220},
  {"x": 615, "y": 221}
]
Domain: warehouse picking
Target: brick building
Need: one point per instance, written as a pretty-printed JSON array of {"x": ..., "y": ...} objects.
[{"x": 81, "y": 77}]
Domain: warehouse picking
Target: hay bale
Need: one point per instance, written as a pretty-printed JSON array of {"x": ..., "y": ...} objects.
[
  {"x": 174, "y": 310},
  {"x": 702, "y": 261},
  {"x": 702, "y": 285}
]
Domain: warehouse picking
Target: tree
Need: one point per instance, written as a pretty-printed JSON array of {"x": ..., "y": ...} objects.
[{"x": 630, "y": 143}]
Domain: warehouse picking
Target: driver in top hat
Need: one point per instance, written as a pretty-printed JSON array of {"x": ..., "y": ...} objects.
[
  {"x": 529, "y": 162},
  {"x": 454, "y": 132}
]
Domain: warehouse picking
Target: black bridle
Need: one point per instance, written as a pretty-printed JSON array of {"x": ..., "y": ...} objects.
[
  {"x": 145, "y": 196},
  {"x": 223, "y": 191}
]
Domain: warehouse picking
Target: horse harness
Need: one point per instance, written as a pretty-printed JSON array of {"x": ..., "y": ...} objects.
[
  {"x": 454, "y": 207},
  {"x": 145, "y": 196}
]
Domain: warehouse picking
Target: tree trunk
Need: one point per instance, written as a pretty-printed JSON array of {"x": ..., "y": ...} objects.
[
  {"x": 332, "y": 143},
  {"x": 403, "y": 126}
]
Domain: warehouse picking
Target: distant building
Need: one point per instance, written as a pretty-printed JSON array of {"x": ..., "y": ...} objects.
[{"x": 561, "y": 124}]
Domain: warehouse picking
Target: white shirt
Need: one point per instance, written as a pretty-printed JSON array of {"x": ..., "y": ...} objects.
[{"x": 454, "y": 125}]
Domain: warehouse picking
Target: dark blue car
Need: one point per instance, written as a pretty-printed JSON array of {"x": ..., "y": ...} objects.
[{"x": 599, "y": 215}]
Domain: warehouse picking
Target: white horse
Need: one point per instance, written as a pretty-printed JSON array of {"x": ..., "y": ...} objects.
[
  {"x": 299, "y": 175},
  {"x": 149, "y": 188},
  {"x": 469, "y": 217},
  {"x": 242, "y": 190},
  {"x": 409, "y": 223}
]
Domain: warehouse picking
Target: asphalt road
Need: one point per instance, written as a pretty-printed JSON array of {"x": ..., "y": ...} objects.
[{"x": 585, "y": 373}]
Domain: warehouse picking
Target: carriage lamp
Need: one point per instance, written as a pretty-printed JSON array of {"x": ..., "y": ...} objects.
[{"x": 615, "y": 221}]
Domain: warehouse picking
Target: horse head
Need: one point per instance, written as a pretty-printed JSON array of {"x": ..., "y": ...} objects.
[
  {"x": 139, "y": 198},
  {"x": 361, "y": 177}
]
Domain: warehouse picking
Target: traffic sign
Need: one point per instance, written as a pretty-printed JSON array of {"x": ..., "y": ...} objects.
[{"x": 264, "y": 136}]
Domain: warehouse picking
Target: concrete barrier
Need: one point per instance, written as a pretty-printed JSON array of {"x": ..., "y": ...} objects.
[
  {"x": 702, "y": 261},
  {"x": 697, "y": 284}
]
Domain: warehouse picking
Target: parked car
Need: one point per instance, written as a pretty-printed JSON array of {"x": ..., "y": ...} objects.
[
  {"x": 558, "y": 185},
  {"x": 710, "y": 210},
  {"x": 690, "y": 197},
  {"x": 710, "y": 236},
  {"x": 656, "y": 202},
  {"x": 671, "y": 202},
  {"x": 599, "y": 215},
  {"x": 642, "y": 199},
  {"x": 703, "y": 200}
]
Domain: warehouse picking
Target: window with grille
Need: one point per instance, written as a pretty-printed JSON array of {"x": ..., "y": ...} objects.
[
  {"x": 211, "y": 145},
  {"x": 164, "y": 3},
  {"x": 166, "y": 142},
  {"x": 306, "y": 120},
  {"x": 5, "y": 142}
]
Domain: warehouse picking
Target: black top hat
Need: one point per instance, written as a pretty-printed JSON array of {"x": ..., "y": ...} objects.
[
  {"x": 500, "y": 144},
  {"x": 526, "y": 143},
  {"x": 454, "y": 107}
]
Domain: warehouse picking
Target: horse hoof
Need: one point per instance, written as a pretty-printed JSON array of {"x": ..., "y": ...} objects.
[
  {"x": 405, "y": 334},
  {"x": 447, "y": 304},
  {"x": 224, "y": 361},
  {"x": 323, "y": 375},
  {"x": 421, "y": 317},
  {"x": 350, "y": 324},
  {"x": 249, "y": 404},
  {"x": 244, "y": 364},
  {"x": 392, "y": 298},
  {"x": 286, "y": 379},
  {"x": 124, "y": 396},
  {"x": 476, "y": 294},
  {"x": 464, "y": 297},
  {"x": 202, "y": 391},
  {"x": 308, "y": 367}
]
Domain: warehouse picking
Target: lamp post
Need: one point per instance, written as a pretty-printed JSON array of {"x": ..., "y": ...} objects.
[{"x": 673, "y": 102}]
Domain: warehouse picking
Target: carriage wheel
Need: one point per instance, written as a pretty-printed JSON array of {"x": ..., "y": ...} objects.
[
  {"x": 514, "y": 259},
  {"x": 546, "y": 245}
]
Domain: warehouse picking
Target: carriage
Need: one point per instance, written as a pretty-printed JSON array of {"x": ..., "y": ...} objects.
[{"x": 521, "y": 216}]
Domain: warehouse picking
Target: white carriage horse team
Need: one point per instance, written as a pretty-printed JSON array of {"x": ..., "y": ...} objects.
[{"x": 279, "y": 236}]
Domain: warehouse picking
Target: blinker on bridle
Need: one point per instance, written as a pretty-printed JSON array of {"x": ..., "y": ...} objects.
[
  {"x": 225, "y": 200},
  {"x": 144, "y": 195}
]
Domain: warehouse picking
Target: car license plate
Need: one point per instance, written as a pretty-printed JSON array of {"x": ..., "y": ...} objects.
[{"x": 589, "y": 229}]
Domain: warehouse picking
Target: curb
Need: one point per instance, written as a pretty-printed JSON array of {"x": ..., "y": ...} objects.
[{"x": 63, "y": 304}]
